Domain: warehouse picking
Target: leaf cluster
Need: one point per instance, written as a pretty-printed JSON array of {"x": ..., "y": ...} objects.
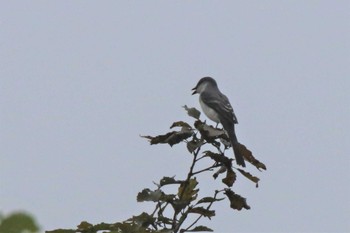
[
  {"x": 181, "y": 211},
  {"x": 18, "y": 222}
]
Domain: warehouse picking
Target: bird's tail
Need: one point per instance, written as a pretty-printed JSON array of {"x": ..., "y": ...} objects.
[{"x": 235, "y": 147}]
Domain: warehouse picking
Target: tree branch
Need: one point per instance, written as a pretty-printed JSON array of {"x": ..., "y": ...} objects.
[
  {"x": 207, "y": 169},
  {"x": 176, "y": 226},
  {"x": 200, "y": 216}
]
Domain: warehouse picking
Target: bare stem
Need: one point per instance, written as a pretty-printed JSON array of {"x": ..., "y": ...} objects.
[
  {"x": 206, "y": 169},
  {"x": 200, "y": 216},
  {"x": 176, "y": 226}
]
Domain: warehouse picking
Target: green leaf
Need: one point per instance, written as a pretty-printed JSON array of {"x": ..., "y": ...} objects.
[
  {"x": 143, "y": 219},
  {"x": 83, "y": 226},
  {"x": 18, "y": 222},
  {"x": 161, "y": 231},
  {"x": 115, "y": 227},
  {"x": 148, "y": 195},
  {"x": 200, "y": 228},
  {"x": 203, "y": 211},
  {"x": 187, "y": 191},
  {"x": 249, "y": 176},
  {"x": 167, "y": 198},
  {"x": 126, "y": 227},
  {"x": 206, "y": 200},
  {"x": 209, "y": 200},
  {"x": 168, "y": 180},
  {"x": 179, "y": 205},
  {"x": 194, "y": 144},
  {"x": 192, "y": 112},
  {"x": 165, "y": 220},
  {"x": 236, "y": 201},
  {"x": 61, "y": 231},
  {"x": 180, "y": 124}
]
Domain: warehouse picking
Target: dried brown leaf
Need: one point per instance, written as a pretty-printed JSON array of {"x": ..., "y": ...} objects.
[
  {"x": 219, "y": 158},
  {"x": 208, "y": 133},
  {"x": 170, "y": 138},
  {"x": 249, "y": 176},
  {"x": 180, "y": 124},
  {"x": 203, "y": 211},
  {"x": 248, "y": 155},
  {"x": 236, "y": 201},
  {"x": 192, "y": 112},
  {"x": 230, "y": 178}
]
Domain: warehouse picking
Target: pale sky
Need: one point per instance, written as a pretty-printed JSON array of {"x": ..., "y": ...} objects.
[{"x": 81, "y": 80}]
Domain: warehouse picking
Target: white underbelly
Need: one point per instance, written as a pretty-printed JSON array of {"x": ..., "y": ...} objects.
[{"x": 209, "y": 112}]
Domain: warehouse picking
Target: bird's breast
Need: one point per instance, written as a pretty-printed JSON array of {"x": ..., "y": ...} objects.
[{"x": 209, "y": 112}]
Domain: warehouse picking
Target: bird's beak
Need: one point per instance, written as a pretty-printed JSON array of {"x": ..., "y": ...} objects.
[{"x": 194, "y": 90}]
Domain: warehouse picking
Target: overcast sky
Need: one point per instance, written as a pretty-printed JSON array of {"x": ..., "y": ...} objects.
[{"x": 81, "y": 80}]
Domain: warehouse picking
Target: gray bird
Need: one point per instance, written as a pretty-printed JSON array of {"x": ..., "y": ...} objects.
[{"x": 218, "y": 109}]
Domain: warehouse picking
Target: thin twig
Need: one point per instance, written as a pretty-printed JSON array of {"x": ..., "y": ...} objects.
[
  {"x": 176, "y": 226},
  {"x": 207, "y": 169},
  {"x": 208, "y": 207}
]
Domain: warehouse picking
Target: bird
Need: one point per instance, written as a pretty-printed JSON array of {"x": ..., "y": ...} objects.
[{"x": 217, "y": 108}]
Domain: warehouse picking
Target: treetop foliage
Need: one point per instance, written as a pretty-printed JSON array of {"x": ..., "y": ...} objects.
[
  {"x": 181, "y": 211},
  {"x": 18, "y": 222}
]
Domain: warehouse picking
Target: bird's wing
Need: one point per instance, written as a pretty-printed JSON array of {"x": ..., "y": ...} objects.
[{"x": 220, "y": 103}]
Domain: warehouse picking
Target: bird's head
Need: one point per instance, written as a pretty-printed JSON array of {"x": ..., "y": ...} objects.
[{"x": 202, "y": 84}]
